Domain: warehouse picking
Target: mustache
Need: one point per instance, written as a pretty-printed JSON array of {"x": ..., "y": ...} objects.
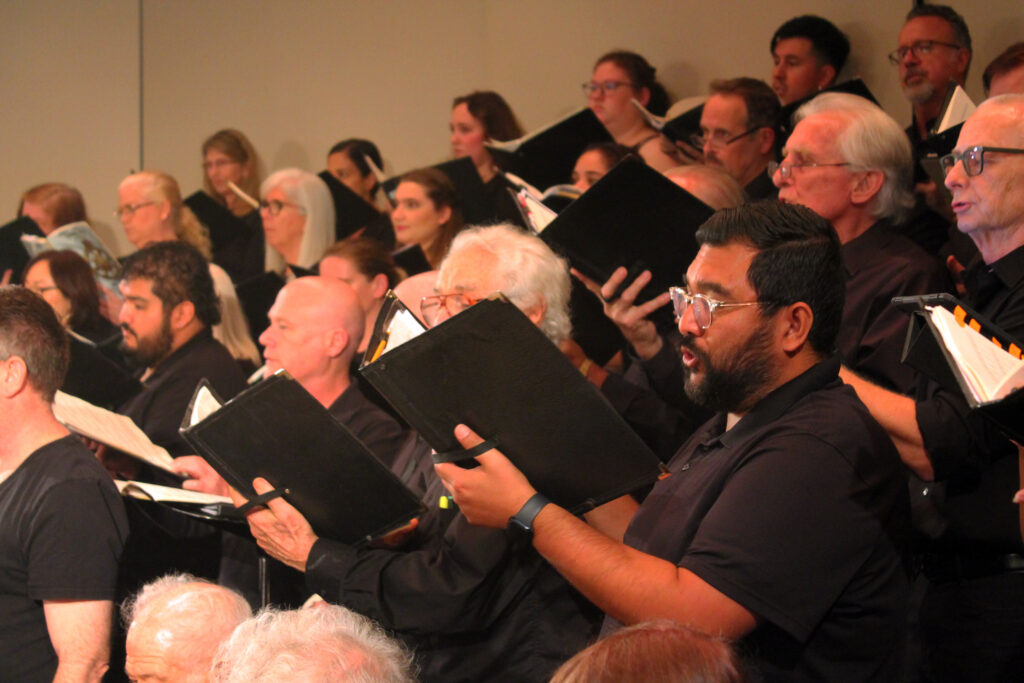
[
  {"x": 688, "y": 343},
  {"x": 126, "y": 328}
]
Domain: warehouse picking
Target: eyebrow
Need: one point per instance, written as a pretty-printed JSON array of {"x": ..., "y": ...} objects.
[{"x": 708, "y": 287}]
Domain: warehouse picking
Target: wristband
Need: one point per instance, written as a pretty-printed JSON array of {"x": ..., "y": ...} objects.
[{"x": 522, "y": 521}]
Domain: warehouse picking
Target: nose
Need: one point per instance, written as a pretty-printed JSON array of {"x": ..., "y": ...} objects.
[
  {"x": 957, "y": 176},
  {"x": 778, "y": 71},
  {"x": 687, "y": 323}
]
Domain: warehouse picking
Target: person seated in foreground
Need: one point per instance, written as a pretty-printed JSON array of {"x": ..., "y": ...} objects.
[
  {"x": 175, "y": 626},
  {"x": 781, "y": 523},
  {"x": 318, "y": 643}
]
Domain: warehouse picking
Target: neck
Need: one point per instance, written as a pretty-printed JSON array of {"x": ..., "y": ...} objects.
[
  {"x": 28, "y": 428},
  {"x": 485, "y": 167},
  {"x": 995, "y": 244},
  {"x": 925, "y": 112},
  {"x": 630, "y": 131},
  {"x": 790, "y": 368},
  {"x": 290, "y": 253},
  {"x": 327, "y": 388},
  {"x": 753, "y": 172},
  {"x": 852, "y": 225},
  {"x": 233, "y": 202}
]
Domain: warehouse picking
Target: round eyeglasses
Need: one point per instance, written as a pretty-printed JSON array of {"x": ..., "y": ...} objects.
[{"x": 703, "y": 307}]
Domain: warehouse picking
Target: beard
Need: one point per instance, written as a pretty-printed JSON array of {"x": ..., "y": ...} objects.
[
  {"x": 737, "y": 381},
  {"x": 151, "y": 350},
  {"x": 918, "y": 93}
]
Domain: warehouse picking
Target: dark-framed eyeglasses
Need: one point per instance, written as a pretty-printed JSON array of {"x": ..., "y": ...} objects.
[
  {"x": 275, "y": 206},
  {"x": 919, "y": 49},
  {"x": 720, "y": 138},
  {"x": 592, "y": 87},
  {"x": 786, "y": 170},
  {"x": 703, "y": 307},
  {"x": 439, "y": 307},
  {"x": 973, "y": 158},
  {"x": 128, "y": 210}
]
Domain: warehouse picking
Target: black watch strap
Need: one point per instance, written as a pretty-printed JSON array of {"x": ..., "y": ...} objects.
[{"x": 522, "y": 521}]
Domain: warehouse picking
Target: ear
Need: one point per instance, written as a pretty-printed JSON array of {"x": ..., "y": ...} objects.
[
  {"x": 765, "y": 140},
  {"x": 182, "y": 315},
  {"x": 13, "y": 377},
  {"x": 866, "y": 185},
  {"x": 643, "y": 96},
  {"x": 165, "y": 209},
  {"x": 963, "y": 57},
  {"x": 444, "y": 214},
  {"x": 379, "y": 285},
  {"x": 536, "y": 314},
  {"x": 794, "y": 325},
  {"x": 826, "y": 74},
  {"x": 337, "y": 341}
]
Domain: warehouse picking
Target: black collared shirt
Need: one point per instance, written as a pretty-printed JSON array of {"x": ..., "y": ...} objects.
[
  {"x": 881, "y": 264},
  {"x": 798, "y": 514},
  {"x": 761, "y": 187},
  {"x": 969, "y": 453},
  {"x": 376, "y": 429}
]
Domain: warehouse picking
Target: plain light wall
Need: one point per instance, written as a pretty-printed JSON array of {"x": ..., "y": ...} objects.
[{"x": 297, "y": 77}]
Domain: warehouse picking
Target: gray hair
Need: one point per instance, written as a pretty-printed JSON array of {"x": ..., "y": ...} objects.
[
  {"x": 194, "y": 613},
  {"x": 871, "y": 141},
  {"x": 310, "y": 192},
  {"x": 321, "y": 643},
  {"x": 532, "y": 274}
]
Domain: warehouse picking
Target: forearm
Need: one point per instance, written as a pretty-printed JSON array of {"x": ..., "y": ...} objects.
[
  {"x": 898, "y": 416},
  {"x": 80, "y": 634},
  {"x": 630, "y": 585},
  {"x": 80, "y": 670}
]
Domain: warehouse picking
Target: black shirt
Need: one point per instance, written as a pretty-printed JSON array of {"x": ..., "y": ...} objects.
[
  {"x": 474, "y": 604},
  {"x": 761, "y": 187},
  {"x": 62, "y": 529},
  {"x": 881, "y": 264},
  {"x": 969, "y": 453},
  {"x": 798, "y": 514},
  {"x": 371, "y": 425}
]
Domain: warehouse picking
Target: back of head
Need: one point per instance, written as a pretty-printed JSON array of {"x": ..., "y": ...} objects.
[
  {"x": 871, "y": 140},
  {"x": 710, "y": 184},
  {"x": 29, "y": 329},
  {"x": 829, "y": 44},
  {"x": 641, "y": 75},
  {"x": 798, "y": 259},
  {"x": 370, "y": 258},
  {"x": 1012, "y": 58},
  {"x": 74, "y": 278},
  {"x": 177, "y": 272},
  {"x": 654, "y": 652},
  {"x": 961, "y": 34},
  {"x": 309, "y": 192},
  {"x": 183, "y": 619},
  {"x": 531, "y": 274},
  {"x": 62, "y": 202},
  {"x": 763, "y": 106},
  {"x": 321, "y": 643},
  {"x": 491, "y": 109},
  {"x": 237, "y": 147}
]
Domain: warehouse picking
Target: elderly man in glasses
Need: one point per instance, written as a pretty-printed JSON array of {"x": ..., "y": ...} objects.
[
  {"x": 737, "y": 132},
  {"x": 973, "y": 613},
  {"x": 779, "y": 523},
  {"x": 849, "y": 162}
]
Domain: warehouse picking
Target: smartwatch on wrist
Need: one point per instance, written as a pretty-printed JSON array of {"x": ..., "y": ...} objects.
[{"x": 522, "y": 521}]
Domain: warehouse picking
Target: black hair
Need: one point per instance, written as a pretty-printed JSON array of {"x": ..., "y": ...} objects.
[
  {"x": 829, "y": 43},
  {"x": 177, "y": 272},
  {"x": 798, "y": 259},
  {"x": 358, "y": 151}
]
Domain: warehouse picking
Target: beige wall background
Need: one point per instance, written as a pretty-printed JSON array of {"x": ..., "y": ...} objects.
[{"x": 95, "y": 88}]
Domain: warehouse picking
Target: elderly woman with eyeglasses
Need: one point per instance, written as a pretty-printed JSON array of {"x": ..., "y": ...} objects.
[
  {"x": 618, "y": 78},
  {"x": 298, "y": 220}
]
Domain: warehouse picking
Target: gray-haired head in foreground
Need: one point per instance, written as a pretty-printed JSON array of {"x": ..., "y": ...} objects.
[
  {"x": 531, "y": 274},
  {"x": 320, "y": 643},
  {"x": 870, "y": 141}
]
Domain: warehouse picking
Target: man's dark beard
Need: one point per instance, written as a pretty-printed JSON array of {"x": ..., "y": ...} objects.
[
  {"x": 151, "y": 350},
  {"x": 738, "y": 381}
]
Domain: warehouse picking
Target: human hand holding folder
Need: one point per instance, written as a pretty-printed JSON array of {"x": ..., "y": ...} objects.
[
  {"x": 278, "y": 527},
  {"x": 490, "y": 494},
  {"x": 631, "y": 318}
]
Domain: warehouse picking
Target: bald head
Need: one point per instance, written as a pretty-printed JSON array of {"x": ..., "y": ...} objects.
[
  {"x": 176, "y": 625},
  {"x": 316, "y": 325}
]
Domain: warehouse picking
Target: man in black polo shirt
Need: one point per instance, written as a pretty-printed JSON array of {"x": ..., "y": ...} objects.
[
  {"x": 780, "y": 524},
  {"x": 973, "y": 612}
]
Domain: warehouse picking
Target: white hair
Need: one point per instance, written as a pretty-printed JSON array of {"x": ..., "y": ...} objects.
[
  {"x": 310, "y": 192},
  {"x": 871, "y": 141},
  {"x": 232, "y": 331},
  {"x": 320, "y": 643},
  {"x": 193, "y": 615},
  {"x": 532, "y": 274}
]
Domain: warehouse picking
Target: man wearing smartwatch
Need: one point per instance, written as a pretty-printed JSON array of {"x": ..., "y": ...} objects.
[{"x": 781, "y": 522}]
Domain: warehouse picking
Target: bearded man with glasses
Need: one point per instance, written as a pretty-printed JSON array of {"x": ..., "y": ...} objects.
[{"x": 780, "y": 523}]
